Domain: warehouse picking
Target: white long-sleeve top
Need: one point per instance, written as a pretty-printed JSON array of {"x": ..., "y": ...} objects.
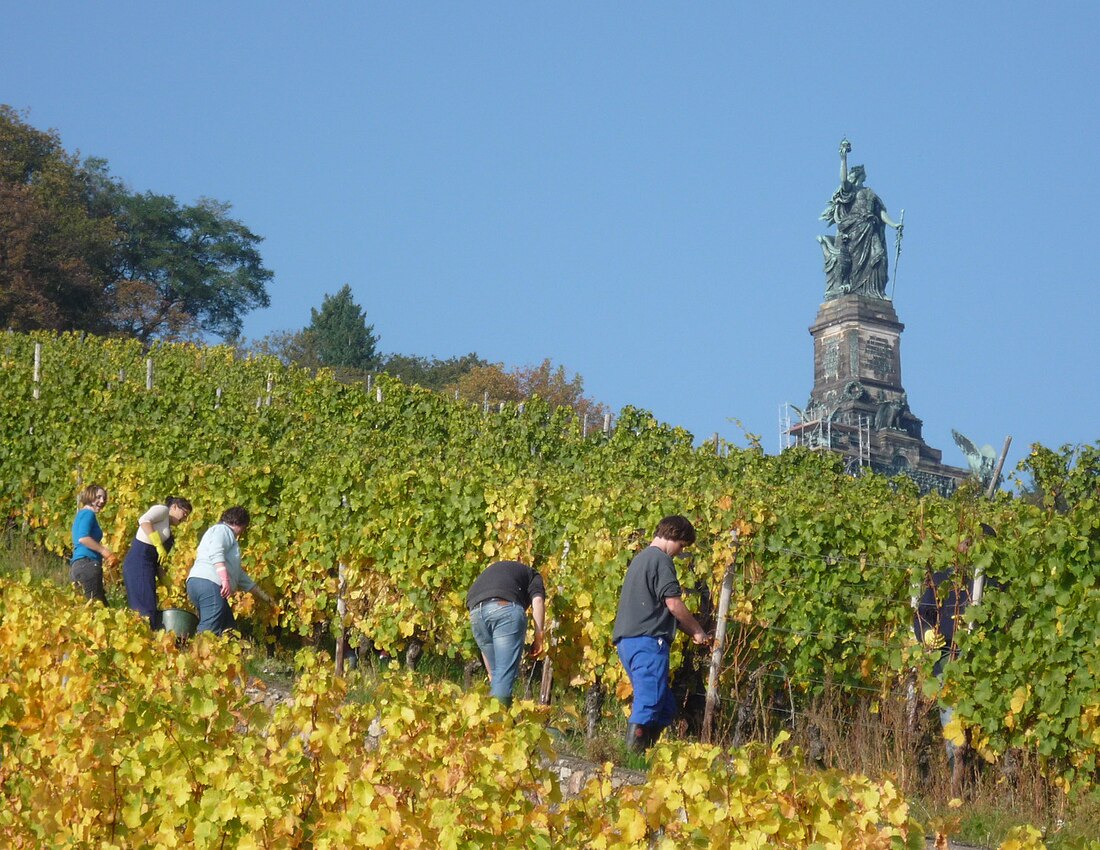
[{"x": 219, "y": 546}]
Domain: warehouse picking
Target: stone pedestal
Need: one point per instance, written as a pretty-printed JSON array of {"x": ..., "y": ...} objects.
[{"x": 858, "y": 406}]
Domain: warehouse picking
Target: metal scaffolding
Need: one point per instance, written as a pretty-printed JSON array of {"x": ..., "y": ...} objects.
[{"x": 817, "y": 430}]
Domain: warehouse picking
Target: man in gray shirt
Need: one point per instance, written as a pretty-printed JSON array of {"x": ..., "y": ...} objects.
[{"x": 650, "y": 609}]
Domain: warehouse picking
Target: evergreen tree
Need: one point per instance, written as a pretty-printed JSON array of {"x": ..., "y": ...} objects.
[{"x": 340, "y": 335}]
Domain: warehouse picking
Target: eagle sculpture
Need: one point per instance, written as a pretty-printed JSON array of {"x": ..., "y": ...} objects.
[{"x": 981, "y": 461}]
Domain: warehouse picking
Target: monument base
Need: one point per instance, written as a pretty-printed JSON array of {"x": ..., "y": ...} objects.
[{"x": 858, "y": 407}]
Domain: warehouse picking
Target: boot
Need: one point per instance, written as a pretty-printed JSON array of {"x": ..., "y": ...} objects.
[
  {"x": 652, "y": 733},
  {"x": 636, "y": 736}
]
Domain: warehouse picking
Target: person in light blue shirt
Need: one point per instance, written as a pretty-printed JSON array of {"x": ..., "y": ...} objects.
[
  {"x": 89, "y": 553},
  {"x": 217, "y": 572}
]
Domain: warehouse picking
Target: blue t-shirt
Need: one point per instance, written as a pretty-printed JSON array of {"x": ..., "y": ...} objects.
[{"x": 86, "y": 525}]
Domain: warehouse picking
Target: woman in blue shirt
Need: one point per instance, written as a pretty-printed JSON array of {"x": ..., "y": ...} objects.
[{"x": 89, "y": 553}]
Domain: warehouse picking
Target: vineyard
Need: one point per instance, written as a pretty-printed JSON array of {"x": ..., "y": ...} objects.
[
  {"x": 413, "y": 494},
  {"x": 125, "y": 741}
]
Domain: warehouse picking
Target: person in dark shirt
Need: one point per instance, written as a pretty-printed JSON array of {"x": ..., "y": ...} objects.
[
  {"x": 650, "y": 609},
  {"x": 498, "y": 601},
  {"x": 939, "y": 614}
]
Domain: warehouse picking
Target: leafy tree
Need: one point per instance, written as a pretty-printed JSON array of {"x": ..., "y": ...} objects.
[
  {"x": 340, "y": 335},
  {"x": 54, "y": 249},
  {"x": 80, "y": 251},
  {"x": 179, "y": 271},
  {"x": 293, "y": 348},
  {"x": 545, "y": 381},
  {"x": 489, "y": 382},
  {"x": 433, "y": 373}
]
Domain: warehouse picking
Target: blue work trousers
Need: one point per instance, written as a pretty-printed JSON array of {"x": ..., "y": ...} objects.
[
  {"x": 646, "y": 661},
  {"x": 139, "y": 574},
  {"x": 499, "y": 629}
]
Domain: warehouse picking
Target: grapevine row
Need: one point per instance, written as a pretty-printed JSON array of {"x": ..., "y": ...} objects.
[{"x": 414, "y": 493}]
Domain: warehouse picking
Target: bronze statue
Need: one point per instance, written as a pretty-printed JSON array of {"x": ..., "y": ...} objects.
[
  {"x": 981, "y": 461},
  {"x": 855, "y": 259},
  {"x": 887, "y": 415}
]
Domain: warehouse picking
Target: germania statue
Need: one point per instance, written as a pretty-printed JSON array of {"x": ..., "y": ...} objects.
[{"x": 855, "y": 259}]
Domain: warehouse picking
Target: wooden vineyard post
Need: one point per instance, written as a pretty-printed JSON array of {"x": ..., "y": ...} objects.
[
  {"x": 912, "y": 700},
  {"x": 148, "y": 373},
  {"x": 341, "y": 608},
  {"x": 547, "y": 664},
  {"x": 341, "y": 614},
  {"x": 593, "y": 707},
  {"x": 37, "y": 367},
  {"x": 719, "y": 644},
  {"x": 979, "y": 574}
]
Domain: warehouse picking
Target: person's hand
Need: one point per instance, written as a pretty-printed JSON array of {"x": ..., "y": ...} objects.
[
  {"x": 223, "y": 575},
  {"x": 109, "y": 557},
  {"x": 700, "y": 638},
  {"x": 536, "y": 645},
  {"x": 158, "y": 544}
]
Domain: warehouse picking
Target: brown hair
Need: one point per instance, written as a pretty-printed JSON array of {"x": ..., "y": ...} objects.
[
  {"x": 677, "y": 528},
  {"x": 88, "y": 495}
]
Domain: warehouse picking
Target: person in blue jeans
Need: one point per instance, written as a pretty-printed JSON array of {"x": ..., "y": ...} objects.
[
  {"x": 217, "y": 573},
  {"x": 650, "y": 609},
  {"x": 498, "y": 601}
]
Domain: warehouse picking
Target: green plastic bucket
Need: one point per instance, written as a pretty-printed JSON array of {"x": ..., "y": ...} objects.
[{"x": 179, "y": 622}]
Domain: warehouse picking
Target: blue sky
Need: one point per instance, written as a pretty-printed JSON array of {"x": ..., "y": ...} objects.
[{"x": 633, "y": 189}]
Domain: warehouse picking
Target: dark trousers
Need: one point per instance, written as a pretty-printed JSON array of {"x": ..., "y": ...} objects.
[
  {"x": 139, "y": 574},
  {"x": 88, "y": 573}
]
